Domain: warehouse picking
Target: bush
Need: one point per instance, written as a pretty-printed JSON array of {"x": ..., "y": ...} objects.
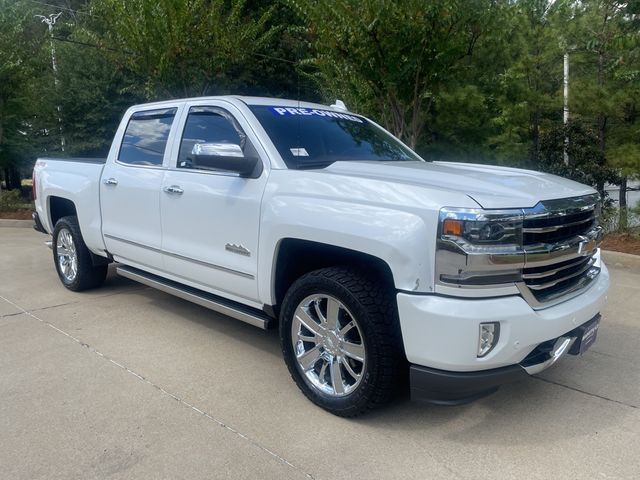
[
  {"x": 586, "y": 162},
  {"x": 11, "y": 200},
  {"x": 610, "y": 219}
]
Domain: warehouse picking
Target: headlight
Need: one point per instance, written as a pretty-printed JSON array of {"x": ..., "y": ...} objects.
[
  {"x": 479, "y": 248},
  {"x": 481, "y": 227}
]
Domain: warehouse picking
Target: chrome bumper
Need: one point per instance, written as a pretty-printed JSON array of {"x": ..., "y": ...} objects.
[{"x": 561, "y": 347}]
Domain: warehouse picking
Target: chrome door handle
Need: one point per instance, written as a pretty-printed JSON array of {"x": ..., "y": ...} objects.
[
  {"x": 174, "y": 189},
  {"x": 110, "y": 181}
]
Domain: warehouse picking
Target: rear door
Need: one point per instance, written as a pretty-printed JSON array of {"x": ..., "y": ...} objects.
[
  {"x": 130, "y": 189},
  {"x": 211, "y": 219}
]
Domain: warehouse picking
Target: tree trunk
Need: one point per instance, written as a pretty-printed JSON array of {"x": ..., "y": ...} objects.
[
  {"x": 12, "y": 178},
  {"x": 622, "y": 203},
  {"x": 534, "y": 131}
]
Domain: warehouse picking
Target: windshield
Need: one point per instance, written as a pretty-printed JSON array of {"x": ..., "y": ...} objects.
[{"x": 313, "y": 138}]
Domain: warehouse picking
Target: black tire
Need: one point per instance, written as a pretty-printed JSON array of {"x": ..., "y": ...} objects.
[
  {"x": 87, "y": 276},
  {"x": 371, "y": 301}
]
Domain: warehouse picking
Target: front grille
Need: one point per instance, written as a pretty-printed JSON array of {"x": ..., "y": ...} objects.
[
  {"x": 560, "y": 239},
  {"x": 555, "y": 226}
]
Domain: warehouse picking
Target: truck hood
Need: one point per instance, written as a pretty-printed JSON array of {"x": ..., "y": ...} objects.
[{"x": 489, "y": 186}]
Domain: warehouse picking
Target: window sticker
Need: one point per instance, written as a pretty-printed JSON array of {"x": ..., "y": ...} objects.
[
  {"x": 299, "y": 152},
  {"x": 290, "y": 111}
]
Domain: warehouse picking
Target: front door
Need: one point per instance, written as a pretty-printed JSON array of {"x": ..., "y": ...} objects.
[{"x": 211, "y": 218}]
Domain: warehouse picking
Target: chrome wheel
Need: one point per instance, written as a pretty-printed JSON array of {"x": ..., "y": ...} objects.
[
  {"x": 328, "y": 345},
  {"x": 67, "y": 255}
]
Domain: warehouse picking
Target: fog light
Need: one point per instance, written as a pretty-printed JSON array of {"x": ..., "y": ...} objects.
[{"x": 488, "y": 337}]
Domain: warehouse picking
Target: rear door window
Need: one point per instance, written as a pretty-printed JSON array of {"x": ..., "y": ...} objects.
[{"x": 145, "y": 138}]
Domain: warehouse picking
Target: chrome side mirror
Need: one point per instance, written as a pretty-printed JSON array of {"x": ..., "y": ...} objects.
[
  {"x": 217, "y": 149},
  {"x": 224, "y": 156}
]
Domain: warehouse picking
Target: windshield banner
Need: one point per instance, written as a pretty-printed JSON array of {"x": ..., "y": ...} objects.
[{"x": 288, "y": 111}]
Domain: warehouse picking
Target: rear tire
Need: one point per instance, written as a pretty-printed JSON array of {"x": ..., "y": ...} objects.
[
  {"x": 72, "y": 257},
  {"x": 362, "y": 349}
]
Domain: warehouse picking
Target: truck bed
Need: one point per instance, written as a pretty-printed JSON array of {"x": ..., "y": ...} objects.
[
  {"x": 97, "y": 160},
  {"x": 75, "y": 180}
]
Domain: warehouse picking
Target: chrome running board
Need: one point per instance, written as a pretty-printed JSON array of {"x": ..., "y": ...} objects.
[{"x": 208, "y": 300}]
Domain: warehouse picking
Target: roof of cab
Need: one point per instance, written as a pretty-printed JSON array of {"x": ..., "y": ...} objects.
[{"x": 280, "y": 102}]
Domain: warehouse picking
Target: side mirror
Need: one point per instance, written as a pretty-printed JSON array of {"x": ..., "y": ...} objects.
[{"x": 223, "y": 156}]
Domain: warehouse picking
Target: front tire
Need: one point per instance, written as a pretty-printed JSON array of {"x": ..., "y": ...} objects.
[
  {"x": 73, "y": 259},
  {"x": 341, "y": 340}
]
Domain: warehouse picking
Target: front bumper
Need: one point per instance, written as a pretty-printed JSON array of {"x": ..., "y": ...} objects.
[
  {"x": 440, "y": 336},
  {"x": 454, "y": 388},
  {"x": 442, "y": 332}
]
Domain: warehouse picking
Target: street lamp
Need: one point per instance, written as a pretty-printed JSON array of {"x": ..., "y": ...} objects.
[{"x": 51, "y": 21}]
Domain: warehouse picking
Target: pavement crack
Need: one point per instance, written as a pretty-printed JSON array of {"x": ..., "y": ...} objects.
[
  {"x": 586, "y": 393},
  {"x": 182, "y": 401},
  {"x": 35, "y": 309},
  {"x": 75, "y": 302}
]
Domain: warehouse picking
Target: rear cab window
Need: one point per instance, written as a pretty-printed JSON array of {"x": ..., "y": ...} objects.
[{"x": 145, "y": 139}]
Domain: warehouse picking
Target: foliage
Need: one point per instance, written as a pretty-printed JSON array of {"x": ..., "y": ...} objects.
[
  {"x": 11, "y": 200},
  {"x": 587, "y": 163},
  {"x": 528, "y": 90},
  {"x": 607, "y": 66},
  {"x": 182, "y": 48},
  {"x": 392, "y": 59},
  {"x": 25, "y": 110},
  {"x": 610, "y": 219}
]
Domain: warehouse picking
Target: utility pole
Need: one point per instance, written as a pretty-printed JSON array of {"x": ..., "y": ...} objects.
[
  {"x": 565, "y": 110},
  {"x": 51, "y": 21}
]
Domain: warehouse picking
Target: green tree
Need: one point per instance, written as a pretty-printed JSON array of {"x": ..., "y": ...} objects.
[
  {"x": 25, "y": 95},
  {"x": 391, "y": 59},
  {"x": 528, "y": 94},
  {"x": 607, "y": 66},
  {"x": 587, "y": 163},
  {"x": 179, "y": 48}
]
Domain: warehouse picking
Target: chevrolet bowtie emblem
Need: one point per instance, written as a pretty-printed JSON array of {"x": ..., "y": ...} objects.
[{"x": 586, "y": 246}]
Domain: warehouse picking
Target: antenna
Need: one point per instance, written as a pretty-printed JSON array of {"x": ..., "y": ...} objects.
[{"x": 340, "y": 105}]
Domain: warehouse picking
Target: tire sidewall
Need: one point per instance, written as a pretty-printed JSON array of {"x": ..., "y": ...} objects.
[{"x": 318, "y": 285}]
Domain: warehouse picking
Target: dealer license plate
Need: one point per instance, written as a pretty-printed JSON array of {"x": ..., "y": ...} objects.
[{"x": 587, "y": 334}]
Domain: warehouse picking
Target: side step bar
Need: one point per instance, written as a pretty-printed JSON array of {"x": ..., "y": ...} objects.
[{"x": 230, "y": 308}]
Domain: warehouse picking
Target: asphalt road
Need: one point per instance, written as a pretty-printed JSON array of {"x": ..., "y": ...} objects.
[{"x": 128, "y": 382}]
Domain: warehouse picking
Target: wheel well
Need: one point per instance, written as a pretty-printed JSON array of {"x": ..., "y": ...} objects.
[
  {"x": 296, "y": 257},
  {"x": 60, "y": 207}
]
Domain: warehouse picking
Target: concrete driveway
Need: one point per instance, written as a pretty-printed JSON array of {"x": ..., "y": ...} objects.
[{"x": 128, "y": 382}]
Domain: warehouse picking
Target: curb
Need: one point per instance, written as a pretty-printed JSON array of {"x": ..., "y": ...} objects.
[
  {"x": 7, "y": 222},
  {"x": 619, "y": 259}
]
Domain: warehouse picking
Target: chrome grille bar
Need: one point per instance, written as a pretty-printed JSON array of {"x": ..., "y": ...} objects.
[
  {"x": 544, "y": 286},
  {"x": 550, "y": 272},
  {"x": 554, "y": 228}
]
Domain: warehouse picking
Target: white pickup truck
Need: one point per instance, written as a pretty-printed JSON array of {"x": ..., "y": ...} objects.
[{"x": 378, "y": 267}]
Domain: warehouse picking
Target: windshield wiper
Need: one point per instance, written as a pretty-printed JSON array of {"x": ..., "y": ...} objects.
[{"x": 315, "y": 165}]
